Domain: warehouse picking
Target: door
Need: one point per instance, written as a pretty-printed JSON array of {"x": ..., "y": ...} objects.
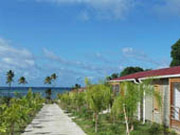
[
  {"x": 157, "y": 113},
  {"x": 175, "y": 103}
]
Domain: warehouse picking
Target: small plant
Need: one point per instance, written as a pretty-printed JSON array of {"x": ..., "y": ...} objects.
[
  {"x": 98, "y": 99},
  {"x": 15, "y": 115},
  {"x": 155, "y": 129}
]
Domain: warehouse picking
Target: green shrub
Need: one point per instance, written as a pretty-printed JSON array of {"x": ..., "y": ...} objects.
[
  {"x": 18, "y": 112},
  {"x": 155, "y": 129}
]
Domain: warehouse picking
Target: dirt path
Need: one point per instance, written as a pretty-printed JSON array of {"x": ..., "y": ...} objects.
[{"x": 51, "y": 120}]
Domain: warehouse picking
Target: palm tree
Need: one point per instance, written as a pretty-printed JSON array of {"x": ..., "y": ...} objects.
[
  {"x": 77, "y": 86},
  {"x": 48, "y": 94},
  {"x": 22, "y": 80},
  {"x": 48, "y": 80},
  {"x": 53, "y": 78},
  {"x": 9, "y": 77}
]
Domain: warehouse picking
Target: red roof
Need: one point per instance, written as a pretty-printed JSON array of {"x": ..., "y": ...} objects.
[{"x": 151, "y": 73}]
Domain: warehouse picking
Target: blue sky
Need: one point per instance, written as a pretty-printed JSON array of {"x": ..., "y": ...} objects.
[{"x": 84, "y": 38}]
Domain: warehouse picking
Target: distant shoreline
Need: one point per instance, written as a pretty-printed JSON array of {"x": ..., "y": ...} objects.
[{"x": 5, "y": 91}]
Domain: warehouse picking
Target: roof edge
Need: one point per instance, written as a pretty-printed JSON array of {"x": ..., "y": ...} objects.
[{"x": 144, "y": 78}]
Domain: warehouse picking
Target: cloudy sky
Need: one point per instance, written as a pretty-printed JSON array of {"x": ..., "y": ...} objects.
[{"x": 84, "y": 38}]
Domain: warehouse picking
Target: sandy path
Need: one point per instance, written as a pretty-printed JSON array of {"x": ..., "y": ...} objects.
[{"x": 51, "y": 120}]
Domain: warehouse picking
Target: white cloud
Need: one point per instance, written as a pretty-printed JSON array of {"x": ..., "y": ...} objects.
[
  {"x": 142, "y": 57},
  {"x": 127, "y": 50},
  {"x": 83, "y": 66},
  {"x": 50, "y": 54},
  {"x": 104, "y": 9},
  {"x": 168, "y": 8},
  {"x": 10, "y": 56},
  {"x": 20, "y": 60}
]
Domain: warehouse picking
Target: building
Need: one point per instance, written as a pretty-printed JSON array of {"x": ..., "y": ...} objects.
[{"x": 165, "y": 81}]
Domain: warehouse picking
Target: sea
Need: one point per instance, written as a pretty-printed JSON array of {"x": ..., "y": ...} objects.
[{"x": 21, "y": 91}]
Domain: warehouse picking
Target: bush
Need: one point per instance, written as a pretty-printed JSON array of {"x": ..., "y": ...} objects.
[
  {"x": 18, "y": 112},
  {"x": 155, "y": 129}
]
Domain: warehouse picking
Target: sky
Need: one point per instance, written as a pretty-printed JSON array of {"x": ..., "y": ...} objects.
[{"x": 84, "y": 38}]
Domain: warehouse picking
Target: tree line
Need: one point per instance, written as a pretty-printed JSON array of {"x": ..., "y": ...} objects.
[
  {"x": 126, "y": 71},
  {"x": 22, "y": 80}
]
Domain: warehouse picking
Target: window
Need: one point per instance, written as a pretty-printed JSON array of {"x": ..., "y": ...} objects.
[
  {"x": 116, "y": 89},
  {"x": 156, "y": 103}
]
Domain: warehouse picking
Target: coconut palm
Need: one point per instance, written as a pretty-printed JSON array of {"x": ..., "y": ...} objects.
[
  {"x": 22, "y": 80},
  {"x": 9, "y": 80},
  {"x": 48, "y": 80},
  {"x": 53, "y": 78},
  {"x": 48, "y": 94},
  {"x": 10, "y": 76},
  {"x": 77, "y": 86}
]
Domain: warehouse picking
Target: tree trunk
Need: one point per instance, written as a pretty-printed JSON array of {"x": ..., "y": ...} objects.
[
  {"x": 113, "y": 119},
  {"x": 9, "y": 90},
  {"x": 12, "y": 129},
  {"x": 96, "y": 122},
  {"x": 126, "y": 120},
  {"x": 141, "y": 109}
]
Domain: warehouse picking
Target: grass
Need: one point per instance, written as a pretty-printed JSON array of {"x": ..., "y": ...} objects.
[{"x": 107, "y": 127}]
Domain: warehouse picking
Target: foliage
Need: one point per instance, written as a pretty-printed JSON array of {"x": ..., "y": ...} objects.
[
  {"x": 10, "y": 76},
  {"x": 106, "y": 127},
  {"x": 76, "y": 87},
  {"x": 77, "y": 99},
  {"x": 48, "y": 80},
  {"x": 133, "y": 94},
  {"x": 48, "y": 94},
  {"x": 99, "y": 97},
  {"x": 175, "y": 54},
  {"x": 155, "y": 129},
  {"x": 14, "y": 117},
  {"x": 65, "y": 98},
  {"x": 96, "y": 98},
  {"x": 51, "y": 79},
  {"x": 113, "y": 76},
  {"x": 126, "y": 105},
  {"x": 54, "y": 78},
  {"x": 9, "y": 80},
  {"x": 22, "y": 80},
  {"x": 131, "y": 70}
]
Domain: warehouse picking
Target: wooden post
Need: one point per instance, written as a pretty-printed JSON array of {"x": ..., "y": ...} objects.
[
  {"x": 144, "y": 108},
  {"x": 126, "y": 120},
  {"x": 179, "y": 113}
]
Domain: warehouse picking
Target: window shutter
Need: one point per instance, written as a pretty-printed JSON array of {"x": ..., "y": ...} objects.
[{"x": 156, "y": 104}]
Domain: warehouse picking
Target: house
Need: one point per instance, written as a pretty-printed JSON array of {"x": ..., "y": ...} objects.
[{"x": 166, "y": 81}]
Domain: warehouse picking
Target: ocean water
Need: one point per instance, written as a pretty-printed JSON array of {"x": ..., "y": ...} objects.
[{"x": 6, "y": 91}]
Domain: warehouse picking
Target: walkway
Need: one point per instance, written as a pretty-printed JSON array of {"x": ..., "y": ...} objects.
[{"x": 51, "y": 120}]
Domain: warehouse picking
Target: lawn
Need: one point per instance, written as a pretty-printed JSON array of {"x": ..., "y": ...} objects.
[{"x": 107, "y": 127}]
